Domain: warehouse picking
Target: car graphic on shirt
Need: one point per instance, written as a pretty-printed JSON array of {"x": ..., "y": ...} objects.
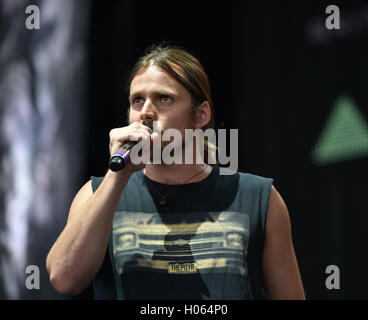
[{"x": 187, "y": 244}]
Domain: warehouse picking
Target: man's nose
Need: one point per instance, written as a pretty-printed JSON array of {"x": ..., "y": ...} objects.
[{"x": 148, "y": 111}]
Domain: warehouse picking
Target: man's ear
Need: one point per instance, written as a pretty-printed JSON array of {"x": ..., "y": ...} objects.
[{"x": 203, "y": 114}]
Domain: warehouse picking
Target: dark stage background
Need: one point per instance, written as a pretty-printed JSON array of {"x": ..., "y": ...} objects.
[{"x": 279, "y": 76}]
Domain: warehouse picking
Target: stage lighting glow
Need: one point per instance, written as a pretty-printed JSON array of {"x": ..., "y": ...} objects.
[{"x": 344, "y": 136}]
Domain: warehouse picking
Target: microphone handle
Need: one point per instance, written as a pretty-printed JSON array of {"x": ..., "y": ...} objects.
[{"x": 121, "y": 158}]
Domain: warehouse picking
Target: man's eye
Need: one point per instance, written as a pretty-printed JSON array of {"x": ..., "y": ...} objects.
[
  {"x": 137, "y": 100},
  {"x": 166, "y": 99}
]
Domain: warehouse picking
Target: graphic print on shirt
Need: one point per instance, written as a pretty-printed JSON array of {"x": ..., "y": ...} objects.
[{"x": 181, "y": 243}]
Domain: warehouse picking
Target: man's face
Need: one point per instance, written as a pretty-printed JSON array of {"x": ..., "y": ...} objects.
[{"x": 155, "y": 96}]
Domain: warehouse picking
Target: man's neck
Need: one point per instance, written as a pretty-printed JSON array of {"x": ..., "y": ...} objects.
[{"x": 177, "y": 173}]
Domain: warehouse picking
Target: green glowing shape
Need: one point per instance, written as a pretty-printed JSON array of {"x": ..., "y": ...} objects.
[{"x": 345, "y": 135}]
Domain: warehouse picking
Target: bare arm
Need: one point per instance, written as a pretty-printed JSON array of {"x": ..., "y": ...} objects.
[
  {"x": 79, "y": 251},
  {"x": 280, "y": 267}
]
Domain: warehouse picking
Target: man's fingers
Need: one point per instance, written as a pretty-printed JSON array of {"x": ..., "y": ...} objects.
[{"x": 120, "y": 136}]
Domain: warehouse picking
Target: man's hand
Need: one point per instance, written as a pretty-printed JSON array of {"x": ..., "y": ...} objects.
[{"x": 133, "y": 132}]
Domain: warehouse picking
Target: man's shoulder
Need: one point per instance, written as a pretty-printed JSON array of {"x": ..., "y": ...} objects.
[
  {"x": 255, "y": 183},
  {"x": 244, "y": 177},
  {"x": 254, "y": 178}
]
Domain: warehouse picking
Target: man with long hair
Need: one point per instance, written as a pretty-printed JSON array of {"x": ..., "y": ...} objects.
[{"x": 178, "y": 230}]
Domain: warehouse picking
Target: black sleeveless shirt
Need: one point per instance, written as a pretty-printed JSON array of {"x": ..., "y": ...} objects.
[{"x": 206, "y": 242}]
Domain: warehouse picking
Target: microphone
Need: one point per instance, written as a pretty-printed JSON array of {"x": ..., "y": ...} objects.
[{"x": 121, "y": 158}]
